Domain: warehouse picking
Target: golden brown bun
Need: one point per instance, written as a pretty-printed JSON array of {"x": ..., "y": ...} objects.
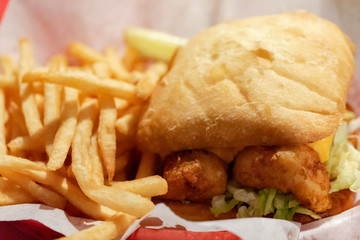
[
  {"x": 341, "y": 201},
  {"x": 270, "y": 80}
]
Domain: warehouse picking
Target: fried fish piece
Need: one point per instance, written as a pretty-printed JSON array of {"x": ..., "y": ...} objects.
[
  {"x": 194, "y": 176},
  {"x": 295, "y": 169}
]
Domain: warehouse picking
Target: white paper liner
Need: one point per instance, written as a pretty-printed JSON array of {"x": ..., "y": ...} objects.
[
  {"x": 251, "y": 228},
  {"x": 51, "y": 25},
  {"x": 56, "y": 219}
]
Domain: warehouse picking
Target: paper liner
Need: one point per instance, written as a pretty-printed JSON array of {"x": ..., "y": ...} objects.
[{"x": 52, "y": 25}]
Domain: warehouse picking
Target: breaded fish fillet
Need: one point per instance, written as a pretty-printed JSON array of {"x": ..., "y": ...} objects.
[
  {"x": 194, "y": 175},
  {"x": 295, "y": 169}
]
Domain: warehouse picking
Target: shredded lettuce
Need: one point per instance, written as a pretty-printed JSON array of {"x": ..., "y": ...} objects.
[
  {"x": 344, "y": 162},
  {"x": 257, "y": 203},
  {"x": 221, "y": 205}
]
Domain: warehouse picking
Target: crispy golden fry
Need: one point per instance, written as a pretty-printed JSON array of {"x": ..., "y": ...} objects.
[
  {"x": 11, "y": 193},
  {"x": 147, "y": 187},
  {"x": 52, "y": 107},
  {"x": 84, "y": 53},
  {"x": 146, "y": 85},
  {"x": 107, "y": 134},
  {"x": 116, "y": 66},
  {"x": 86, "y": 82},
  {"x": 147, "y": 165},
  {"x": 97, "y": 171},
  {"x": 126, "y": 124},
  {"x": 44, "y": 195},
  {"x": 25, "y": 143},
  {"x": 29, "y": 107},
  {"x": 17, "y": 163},
  {"x": 66, "y": 131},
  {"x": 107, "y": 230}
]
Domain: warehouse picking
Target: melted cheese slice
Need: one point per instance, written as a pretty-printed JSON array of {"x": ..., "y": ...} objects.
[{"x": 322, "y": 147}]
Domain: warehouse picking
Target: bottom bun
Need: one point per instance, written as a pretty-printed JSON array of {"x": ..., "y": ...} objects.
[{"x": 200, "y": 211}]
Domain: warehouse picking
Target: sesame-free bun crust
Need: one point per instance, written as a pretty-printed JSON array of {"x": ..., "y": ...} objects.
[{"x": 271, "y": 80}]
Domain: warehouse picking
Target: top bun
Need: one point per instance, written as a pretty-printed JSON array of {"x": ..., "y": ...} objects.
[{"x": 272, "y": 80}]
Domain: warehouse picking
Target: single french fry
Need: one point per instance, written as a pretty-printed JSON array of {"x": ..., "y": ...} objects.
[
  {"x": 65, "y": 133},
  {"x": 147, "y": 165},
  {"x": 126, "y": 125},
  {"x": 86, "y": 82},
  {"x": 25, "y": 143},
  {"x": 97, "y": 171},
  {"x": 84, "y": 53},
  {"x": 81, "y": 161},
  {"x": 29, "y": 107},
  {"x": 52, "y": 107},
  {"x": 116, "y": 65},
  {"x": 11, "y": 193},
  {"x": 107, "y": 134},
  {"x": 3, "y": 114},
  {"x": 18, "y": 163},
  {"x": 41, "y": 193},
  {"x": 147, "y": 187},
  {"x": 146, "y": 85},
  {"x": 107, "y": 230}
]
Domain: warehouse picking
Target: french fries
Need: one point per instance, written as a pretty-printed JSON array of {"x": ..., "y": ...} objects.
[
  {"x": 67, "y": 134},
  {"x": 39, "y": 192}
]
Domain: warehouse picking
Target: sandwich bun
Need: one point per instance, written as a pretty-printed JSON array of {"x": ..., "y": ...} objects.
[{"x": 272, "y": 80}]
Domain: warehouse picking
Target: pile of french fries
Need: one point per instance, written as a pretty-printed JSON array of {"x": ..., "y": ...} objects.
[{"x": 67, "y": 135}]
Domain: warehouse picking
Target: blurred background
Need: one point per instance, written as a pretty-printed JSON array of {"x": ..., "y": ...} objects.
[{"x": 51, "y": 25}]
